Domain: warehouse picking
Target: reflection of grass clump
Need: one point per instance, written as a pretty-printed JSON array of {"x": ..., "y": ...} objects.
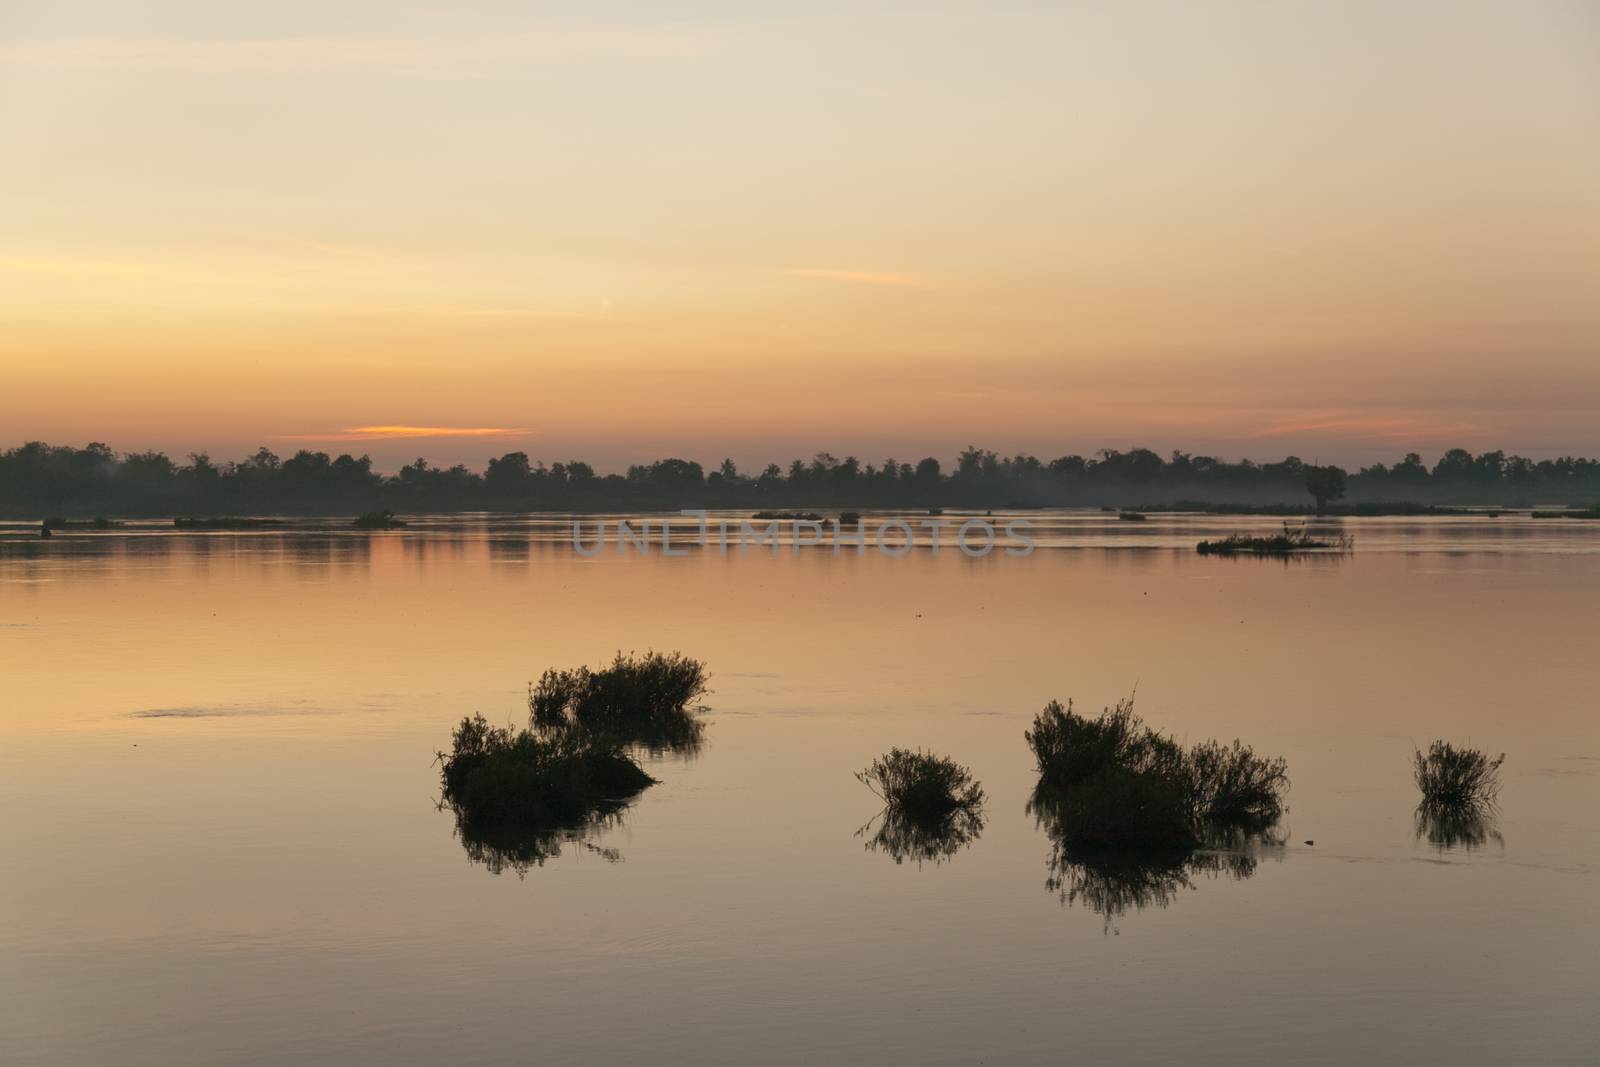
[
  {"x": 1112, "y": 781},
  {"x": 645, "y": 700},
  {"x": 1113, "y": 879},
  {"x": 1457, "y": 777},
  {"x": 932, "y": 807},
  {"x": 1468, "y": 826},
  {"x": 904, "y": 837}
]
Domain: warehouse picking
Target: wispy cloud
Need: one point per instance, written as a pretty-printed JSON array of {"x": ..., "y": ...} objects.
[
  {"x": 390, "y": 433},
  {"x": 887, "y": 279},
  {"x": 1387, "y": 429},
  {"x": 470, "y": 55}
]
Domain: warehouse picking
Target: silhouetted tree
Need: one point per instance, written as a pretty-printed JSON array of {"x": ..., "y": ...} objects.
[{"x": 1325, "y": 484}]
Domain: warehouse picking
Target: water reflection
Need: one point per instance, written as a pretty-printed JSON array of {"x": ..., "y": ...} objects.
[
  {"x": 520, "y": 847},
  {"x": 1463, "y": 826},
  {"x": 1114, "y": 881},
  {"x": 903, "y": 837}
]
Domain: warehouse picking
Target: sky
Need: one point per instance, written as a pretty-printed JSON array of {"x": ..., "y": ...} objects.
[{"x": 618, "y": 232}]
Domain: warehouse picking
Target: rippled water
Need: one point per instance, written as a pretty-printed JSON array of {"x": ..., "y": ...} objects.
[{"x": 223, "y": 844}]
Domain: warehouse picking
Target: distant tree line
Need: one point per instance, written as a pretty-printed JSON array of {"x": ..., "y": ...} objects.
[{"x": 38, "y": 480}]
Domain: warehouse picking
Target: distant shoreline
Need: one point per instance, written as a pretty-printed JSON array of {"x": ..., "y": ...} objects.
[
  {"x": 38, "y": 480},
  {"x": 289, "y": 520}
]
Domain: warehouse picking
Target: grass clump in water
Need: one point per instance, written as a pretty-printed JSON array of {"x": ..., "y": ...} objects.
[
  {"x": 646, "y": 701},
  {"x": 520, "y": 795},
  {"x": 1291, "y": 540},
  {"x": 932, "y": 806},
  {"x": 498, "y": 775},
  {"x": 1451, "y": 777},
  {"x": 1230, "y": 786},
  {"x": 1460, "y": 788},
  {"x": 379, "y": 520},
  {"x": 921, "y": 785},
  {"x": 1111, "y": 781}
]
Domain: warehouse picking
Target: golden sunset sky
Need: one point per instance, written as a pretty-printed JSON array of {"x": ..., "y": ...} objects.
[{"x": 622, "y": 231}]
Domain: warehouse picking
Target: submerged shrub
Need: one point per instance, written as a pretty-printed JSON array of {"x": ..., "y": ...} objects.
[
  {"x": 1113, "y": 781},
  {"x": 494, "y": 774},
  {"x": 932, "y": 806},
  {"x": 520, "y": 795},
  {"x": 1119, "y": 807},
  {"x": 1070, "y": 748},
  {"x": 1231, "y": 785},
  {"x": 920, "y": 785},
  {"x": 1457, "y": 777},
  {"x": 638, "y": 700}
]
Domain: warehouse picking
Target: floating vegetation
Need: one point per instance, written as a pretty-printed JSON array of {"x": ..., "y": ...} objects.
[
  {"x": 932, "y": 806},
  {"x": 1131, "y": 516},
  {"x": 1453, "y": 777},
  {"x": 792, "y": 516},
  {"x": 1291, "y": 540},
  {"x": 520, "y": 796},
  {"x": 849, "y": 518},
  {"x": 1131, "y": 813},
  {"x": 379, "y": 520},
  {"x": 228, "y": 523},
  {"x": 646, "y": 701}
]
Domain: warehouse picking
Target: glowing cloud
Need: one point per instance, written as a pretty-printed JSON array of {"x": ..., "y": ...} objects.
[{"x": 390, "y": 433}]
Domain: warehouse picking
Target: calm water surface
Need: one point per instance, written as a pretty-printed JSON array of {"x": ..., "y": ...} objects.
[{"x": 222, "y": 844}]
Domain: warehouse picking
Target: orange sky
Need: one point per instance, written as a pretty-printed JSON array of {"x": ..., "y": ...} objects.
[{"x": 760, "y": 230}]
